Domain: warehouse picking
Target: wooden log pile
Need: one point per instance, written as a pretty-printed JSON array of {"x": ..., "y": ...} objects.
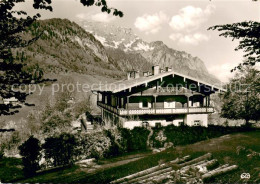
[
  {"x": 190, "y": 171},
  {"x": 219, "y": 171},
  {"x": 150, "y": 170}
]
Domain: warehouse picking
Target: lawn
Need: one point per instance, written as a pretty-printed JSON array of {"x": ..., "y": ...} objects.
[
  {"x": 223, "y": 148},
  {"x": 10, "y": 168}
]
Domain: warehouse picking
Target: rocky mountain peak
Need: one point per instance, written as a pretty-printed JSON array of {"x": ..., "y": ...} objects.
[{"x": 156, "y": 52}]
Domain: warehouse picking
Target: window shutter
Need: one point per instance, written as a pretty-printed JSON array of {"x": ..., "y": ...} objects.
[
  {"x": 149, "y": 105},
  {"x": 140, "y": 104},
  {"x": 173, "y": 105}
]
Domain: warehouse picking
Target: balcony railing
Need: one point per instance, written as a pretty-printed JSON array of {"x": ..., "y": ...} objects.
[{"x": 191, "y": 110}]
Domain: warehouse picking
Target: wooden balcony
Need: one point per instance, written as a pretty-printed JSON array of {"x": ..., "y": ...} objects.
[{"x": 125, "y": 112}]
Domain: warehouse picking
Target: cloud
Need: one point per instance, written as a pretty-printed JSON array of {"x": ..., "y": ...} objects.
[
  {"x": 103, "y": 17},
  {"x": 151, "y": 23},
  {"x": 190, "y": 18},
  {"x": 186, "y": 23},
  {"x": 193, "y": 39},
  {"x": 222, "y": 71},
  {"x": 99, "y": 17}
]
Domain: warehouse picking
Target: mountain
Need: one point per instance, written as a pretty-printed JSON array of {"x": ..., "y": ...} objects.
[
  {"x": 100, "y": 49},
  {"x": 66, "y": 51},
  {"x": 122, "y": 41},
  {"x": 66, "y": 47}
]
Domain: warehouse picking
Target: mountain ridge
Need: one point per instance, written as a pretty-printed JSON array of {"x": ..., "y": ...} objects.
[
  {"x": 67, "y": 47},
  {"x": 156, "y": 52}
]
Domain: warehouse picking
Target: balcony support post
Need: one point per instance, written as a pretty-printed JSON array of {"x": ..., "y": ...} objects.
[
  {"x": 117, "y": 102},
  {"x": 188, "y": 97},
  {"x": 98, "y": 96},
  {"x": 127, "y": 104},
  {"x": 155, "y": 98},
  {"x": 205, "y": 101}
]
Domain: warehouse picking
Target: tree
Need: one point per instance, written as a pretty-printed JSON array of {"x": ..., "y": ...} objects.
[
  {"x": 30, "y": 152},
  {"x": 249, "y": 35},
  {"x": 242, "y": 99},
  {"x": 12, "y": 24}
]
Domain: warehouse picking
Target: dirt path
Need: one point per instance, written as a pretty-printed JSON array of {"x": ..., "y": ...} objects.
[{"x": 105, "y": 164}]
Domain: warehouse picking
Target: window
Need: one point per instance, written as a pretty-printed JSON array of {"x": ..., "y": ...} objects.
[
  {"x": 197, "y": 123},
  {"x": 145, "y": 103},
  {"x": 105, "y": 99},
  {"x": 145, "y": 124},
  {"x": 169, "y": 104},
  {"x": 158, "y": 125}
]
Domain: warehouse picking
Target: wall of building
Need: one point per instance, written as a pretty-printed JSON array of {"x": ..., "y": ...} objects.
[
  {"x": 139, "y": 123},
  {"x": 111, "y": 119},
  {"x": 190, "y": 118}
]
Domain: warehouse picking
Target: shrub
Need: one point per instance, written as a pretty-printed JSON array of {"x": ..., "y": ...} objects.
[
  {"x": 187, "y": 135},
  {"x": 59, "y": 151},
  {"x": 138, "y": 139},
  {"x": 94, "y": 145},
  {"x": 30, "y": 152},
  {"x": 126, "y": 139},
  {"x": 115, "y": 149}
]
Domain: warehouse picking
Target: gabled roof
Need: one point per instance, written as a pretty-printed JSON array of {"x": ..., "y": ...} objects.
[{"x": 122, "y": 85}]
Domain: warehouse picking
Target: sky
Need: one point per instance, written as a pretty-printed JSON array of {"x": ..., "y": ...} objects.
[{"x": 180, "y": 24}]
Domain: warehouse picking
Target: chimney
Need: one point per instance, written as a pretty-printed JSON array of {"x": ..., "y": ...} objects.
[
  {"x": 155, "y": 70},
  {"x": 133, "y": 75},
  {"x": 128, "y": 75},
  {"x": 145, "y": 74},
  {"x": 136, "y": 74},
  {"x": 161, "y": 70},
  {"x": 168, "y": 69}
]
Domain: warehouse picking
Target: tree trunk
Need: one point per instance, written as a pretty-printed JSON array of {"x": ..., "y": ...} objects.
[{"x": 247, "y": 125}]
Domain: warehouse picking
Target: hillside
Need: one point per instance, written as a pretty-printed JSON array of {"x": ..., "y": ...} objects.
[{"x": 65, "y": 47}]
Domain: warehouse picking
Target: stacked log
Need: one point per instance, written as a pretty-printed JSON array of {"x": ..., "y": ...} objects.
[
  {"x": 203, "y": 157},
  {"x": 180, "y": 160},
  {"x": 141, "y": 173},
  {"x": 158, "y": 178},
  {"x": 150, "y": 170},
  {"x": 220, "y": 170},
  {"x": 191, "y": 171}
]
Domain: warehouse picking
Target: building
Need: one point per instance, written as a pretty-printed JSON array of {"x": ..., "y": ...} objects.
[
  {"x": 11, "y": 100},
  {"x": 159, "y": 98}
]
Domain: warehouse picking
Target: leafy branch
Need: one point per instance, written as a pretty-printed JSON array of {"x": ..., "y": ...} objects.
[{"x": 248, "y": 33}]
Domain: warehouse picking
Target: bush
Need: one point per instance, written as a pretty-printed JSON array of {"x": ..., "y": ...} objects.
[
  {"x": 138, "y": 139},
  {"x": 60, "y": 150},
  {"x": 115, "y": 149},
  {"x": 183, "y": 135},
  {"x": 92, "y": 145},
  {"x": 30, "y": 152}
]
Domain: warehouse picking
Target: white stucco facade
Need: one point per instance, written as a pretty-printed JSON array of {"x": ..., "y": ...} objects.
[{"x": 189, "y": 119}]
